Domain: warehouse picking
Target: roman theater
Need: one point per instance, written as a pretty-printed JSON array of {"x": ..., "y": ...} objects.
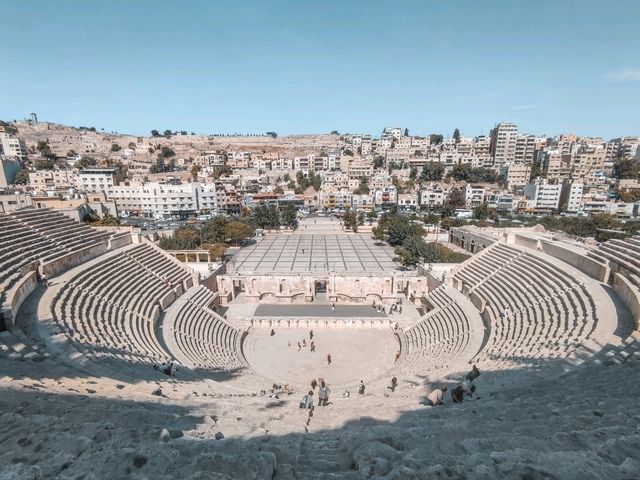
[{"x": 89, "y": 316}]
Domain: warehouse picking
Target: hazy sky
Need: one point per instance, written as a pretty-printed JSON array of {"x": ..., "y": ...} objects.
[{"x": 317, "y": 66}]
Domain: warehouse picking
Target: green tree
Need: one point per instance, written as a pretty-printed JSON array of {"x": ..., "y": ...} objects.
[
  {"x": 348, "y": 152},
  {"x": 22, "y": 177},
  {"x": 167, "y": 133},
  {"x": 481, "y": 212},
  {"x": 290, "y": 216},
  {"x": 378, "y": 162},
  {"x": 626, "y": 168},
  {"x": 115, "y": 147},
  {"x": 213, "y": 231},
  {"x": 435, "y": 139},
  {"x": 71, "y": 153},
  {"x": 350, "y": 220},
  {"x": 86, "y": 162},
  {"x": 363, "y": 188},
  {"x": 237, "y": 232},
  {"x": 456, "y": 135},
  {"x": 188, "y": 237},
  {"x": 194, "y": 172},
  {"x": 432, "y": 172},
  {"x": 456, "y": 198},
  {"x": 406, "y": 132},
  {"x": 131, "y": 145},
  {"x": 155, "y": 133}
]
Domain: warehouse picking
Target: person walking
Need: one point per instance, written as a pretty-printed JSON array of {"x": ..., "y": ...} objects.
[
  {"x": 361, "y": 388},
  {"x": 328, "y": 359},
  {"x": 312, "y": 346},
  {"x": 311, "y": 335},
  {"x": 394, "y": 384}
]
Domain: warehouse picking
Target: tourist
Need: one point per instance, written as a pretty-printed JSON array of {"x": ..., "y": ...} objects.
[
  {"x": 307, "y": 401},
  {"x": 473, "y": 374},
  {"x": 457, "y": 394},
  {"x": 333, "y": 307},
  {"x": 273, "y": 332},
  {"x": 328, "y": 359},
  {"x": 289, "y": 343},
  {"x": 299, "y": 346},
  {"x": 346, "y": 394},
  {"x": 304, "y": 342},
  {"x": 436, "y": 397},
  {"x": 310, "y": 334},
  {"x": 400, "y": 309},
  {"x": 469, "y": 388},
  {"x": 323, "y": 394},
  {"x": 394, "y": 384},
  {"x": 312, "y": 345},
  {"x": 361, "y": 388},
  {"x": 397, "y": 357},
  {"x": 314, "y": 384}
]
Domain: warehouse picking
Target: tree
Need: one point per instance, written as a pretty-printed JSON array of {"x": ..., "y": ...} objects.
[
  {"x": 432, "y": 172},
  {"x": 456, "y": 198},
  {"x": 456, "y": 135},
  {"x": 378, "y": 162},
  {"x": 86, "y": 162},
  {"x": 481, "y": 212},
  {"x": 363, "y": 188},
  {"x": 278, "y": 189},
  {"x": 290, "y": 216},
  {"x": 166, "y": 152},
  {"x": 348, "y": 152},
  {"x": 272, "y": 134},
  {"x": 216, "y": 250},
  {"x": 237, "y": 232},
  {"x": 435, "y": 139},
  {"x": 406, "y": 132},
  {"x": 72, "y": 153},
  {"x": 115, "y": 147},
  {"x": 220, "y": 171},
  {"x": 213, "y": 230},
  {"x": 194, "y": 172},
  {"x": 43, "y": 148},
  {"x": 155, "y": 133},
  {"x": 626, "y": 168},
  {"x": 350, "y": 220},
  {"x": 167, "y": 133},
  {"x": 264, "y": 216},
  {"x": 22, "y": 177},
  {"x": 189, "y": 237},
  {"x": 334, "y": 132},
  {"x": 372, "y": 215},
  {"x": 131, "y": 146}
]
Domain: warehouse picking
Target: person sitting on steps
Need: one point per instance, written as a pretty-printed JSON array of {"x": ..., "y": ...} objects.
[
  {"x": 436, "y": 397},
  {"x": 473, "y": 374}
]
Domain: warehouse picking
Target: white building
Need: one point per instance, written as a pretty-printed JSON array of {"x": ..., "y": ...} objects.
[
  {"x": 543, "y": 195},
  {"x": 473, "y": 195},
  {"x": 94, "y": 180},
  {"x": 12, "y": 147},
  {"x": 159, "y": 200}
]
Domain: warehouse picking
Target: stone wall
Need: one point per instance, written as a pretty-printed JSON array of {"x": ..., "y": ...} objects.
[
  {"x": 471, "y": 241},
  {"x": 25, "y": 286},
  {"x": 629, "y": 294},
  {"x": 71, "y": 259},
  {"x": 585, "y": 264}
]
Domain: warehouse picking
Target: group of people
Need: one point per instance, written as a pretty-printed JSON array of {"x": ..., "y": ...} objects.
[
  {"x": 395, "y": 307},
  {"x": 167, "y": 367},
  {"x": 466, "y": 388},
  {"x": 323, "y": 394}
]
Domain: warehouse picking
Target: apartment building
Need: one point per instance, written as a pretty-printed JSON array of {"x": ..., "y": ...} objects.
[
  {"x": 517, "y": 174},
  {"x": 542, "y": 195},
  {"x": 12, "y": 147},
  {"x": 525, "y": 148},
  {"x": 473, "y": 195},
  {"x": 503, "y": 143},
  {"x": 159, "y": 200}
]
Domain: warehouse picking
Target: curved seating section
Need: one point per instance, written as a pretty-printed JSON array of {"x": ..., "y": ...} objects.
[
  {"x": 199, "y": 337},
  {"x": 32, "y": 236},
  {"x": 534, "y": 307},
  {"x": 111, "y": 307},
  {"x": 624, "y": 255},
  {"x": 446, "y": 334}
]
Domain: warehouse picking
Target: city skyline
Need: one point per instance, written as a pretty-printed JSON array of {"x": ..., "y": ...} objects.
[{"x": 295, "y": 69}]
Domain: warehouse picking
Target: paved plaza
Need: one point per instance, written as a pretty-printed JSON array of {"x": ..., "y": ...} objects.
[
  {"x": 356, "y": 354},
  {"x": 322, "y": 310},
  {"x": 315, "y": 253}
]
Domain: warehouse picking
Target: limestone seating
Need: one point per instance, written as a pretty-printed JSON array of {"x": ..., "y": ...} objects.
[
  {"x": 550, "y": 311},
  {"x": 198, "y": 336},
  {"x": 115, "y": 303}
]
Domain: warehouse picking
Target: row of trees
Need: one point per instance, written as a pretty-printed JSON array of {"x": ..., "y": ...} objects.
[
  {"x": 215, "y": 235},
  {"x": 406, "y": 236},
  {"x": 269, "y": 217}
]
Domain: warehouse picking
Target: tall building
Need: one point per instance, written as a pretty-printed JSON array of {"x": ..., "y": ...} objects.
[
  {"x": 525, "y": 148},
  {"x": 503, "y": 143},
  {"x": 12, "y": 147}
]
